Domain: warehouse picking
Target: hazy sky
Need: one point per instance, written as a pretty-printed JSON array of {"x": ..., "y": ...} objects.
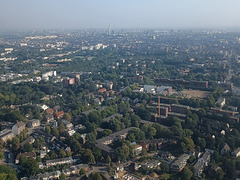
[{"x": 33, "y": 14}]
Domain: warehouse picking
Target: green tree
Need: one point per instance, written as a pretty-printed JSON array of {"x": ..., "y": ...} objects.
[
  {"x": 67, "y": 116},
  {"x": 52, "y": 154},
  {"x": 29, "y": 166},
  {"x": 27, "y": 147},
  {"x": 11, "y": 176},
  {"x": 186, "y": 174},
  {"x": 1, "y": 155},
  {"x": 61, "y": 128},
  {"x": 219, "y": 174},
  {"x": 144, "y": 152},
  {"x": 1, "y": 144},
  {"x": 188, "y": 143},
  {"x": 115, "y": 125},
  {"x": 127, "y": 120},
  {"x": 15, "y": 143},
  {"x": 39, "y": 143},
  {"x": 108, "y": 160},
  {"x": 201, "y": 142},
  {"x": 47, "y": 129},
  {"x": 88, "y": 157},
  {"x": 62, "y": 176},
  {"x": 135, "y": 120},
  {"x": 123, "y": 152},
  {"x": 95, "y": 176},
  {"x": 55, "y": 132},
  {"x": 107, "y": 132},
  {"x": 82, "y": 172},
  {"x": 164, "y": 167},
  {"x": 62, "y": 153},
  {"x": 3, "y": 176},
  {"x": 123, "y": 107}
]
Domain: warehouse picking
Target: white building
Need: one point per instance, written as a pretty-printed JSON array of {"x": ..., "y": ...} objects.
[
  {"x": 71, "y": 132},
  {"x": 221, "y": 102},
  {"x": 54, "y": 162},
  {"x": 149, "y": 89}
]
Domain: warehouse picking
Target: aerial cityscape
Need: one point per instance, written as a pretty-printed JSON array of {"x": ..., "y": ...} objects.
[{"x": 114, "y": 94}]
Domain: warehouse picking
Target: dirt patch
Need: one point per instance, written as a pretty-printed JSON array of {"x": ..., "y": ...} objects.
[{"x": 195, "y": 93}]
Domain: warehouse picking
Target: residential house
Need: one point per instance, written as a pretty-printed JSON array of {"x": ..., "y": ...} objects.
[
  {"x": 71, "y": 132},
  {"x": 67, "y": 124},
  {"x": 105, "y": 175},
  {"x": 68, "y": 149},
  {"x": 236, "y": 152},
  {"x": 151, "y": 176},
  {"x": 18, "y": 128},
  {"x": 75, "y": 169},
  {"x": 43, "y": 153},
  {"x": 59, "y": 114},
  {"x": 56, "y": 108},
  {"x": 102, "y": 90},
  {"x": 6, "y": 134},
  {"x": 105, "y": 141},
  {"x": 179, "y": 163},
  {"x": 27, "y": 155},
  {"x": 108, "y": 93},
  {"x": 221, "y": 102},
  {"x": 83, "y": 136},
  {"x": 225, "y": 149},
  {"x": 202, "y": 163},
  {"x": 33, "y": 123},
  {"x": 151, "y": 164},
  {"x": 137, "y": 149},
  {"x": 47, "y": 176},
  {"x": 205, "y": 159},
  {"x": 48, "y": 118},
  {"x": 159, "y": 143},
  {"x": 166, "y": 156},
  {"x": 129, "y": 176},
  {"x": 49, "y": 111},
  {"x": 59, "y": 161},
  {"x": 30, "y": 140}
]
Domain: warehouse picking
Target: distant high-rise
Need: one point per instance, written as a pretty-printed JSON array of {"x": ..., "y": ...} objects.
[{"x": 109, "y": 29}]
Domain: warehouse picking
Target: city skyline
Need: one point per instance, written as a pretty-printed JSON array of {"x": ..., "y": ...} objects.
[{"x": 120, "y": 14}]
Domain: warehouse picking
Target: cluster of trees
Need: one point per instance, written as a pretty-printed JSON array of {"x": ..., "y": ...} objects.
[
  {"x": 29, "y": 166},
  {"x": 117, "y": 124},
  {"x": 7, "y": 173},
  {"x": 15, "y": 142},
  {"x": 57, "y": 154},
  {"x": 96, "y": 117},
  {"x": 7, "y": 115}
]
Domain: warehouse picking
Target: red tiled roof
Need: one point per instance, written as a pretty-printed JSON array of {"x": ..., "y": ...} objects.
[
  {"x": 59, "y": 114},
  {"x": 102, "y": 90},
  {"x": 50, "y": 111}
]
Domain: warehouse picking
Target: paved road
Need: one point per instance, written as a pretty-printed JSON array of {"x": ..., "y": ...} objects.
[{"x": 97, "y": 168}]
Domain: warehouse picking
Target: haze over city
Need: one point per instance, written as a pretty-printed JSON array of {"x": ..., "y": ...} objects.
[
  {"x": 73, "y": 14},
  {"x": 119, "y": 90}
]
